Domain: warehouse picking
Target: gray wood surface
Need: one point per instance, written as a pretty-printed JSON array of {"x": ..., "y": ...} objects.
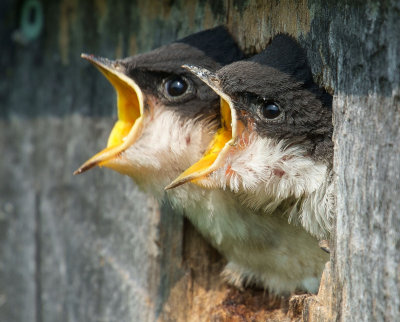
[
  {"x": 94, "y": 248},
  {"x": 367, "y": 121}
]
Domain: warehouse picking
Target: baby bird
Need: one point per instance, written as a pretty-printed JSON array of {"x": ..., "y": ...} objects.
[
  {"x": 166, "y": 115},
  {"x": 266, "y": 172}
]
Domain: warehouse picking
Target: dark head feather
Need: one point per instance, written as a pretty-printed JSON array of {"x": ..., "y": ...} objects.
[
  {"x": 285, "y": 54},
  {"x": 281, "y": 74},
  {"x": 210, "y": 48}
]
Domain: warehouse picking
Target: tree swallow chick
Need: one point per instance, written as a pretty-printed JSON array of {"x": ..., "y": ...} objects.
[
  {"x": 166, "y": 115},
  {"x": 267, "y": 171}
]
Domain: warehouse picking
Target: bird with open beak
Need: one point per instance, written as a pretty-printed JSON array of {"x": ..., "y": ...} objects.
[
  {"x": 267, "y": 173},
  {"x": 166, "y": 115}
]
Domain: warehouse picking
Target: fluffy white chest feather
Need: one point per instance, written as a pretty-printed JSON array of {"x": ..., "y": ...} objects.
[{"x": 264, "y": 173}]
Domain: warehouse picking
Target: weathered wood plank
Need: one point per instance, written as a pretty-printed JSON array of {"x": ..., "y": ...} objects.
[
  {"x": 367, "y": 120},
  {"x": 19, "y": 230}
]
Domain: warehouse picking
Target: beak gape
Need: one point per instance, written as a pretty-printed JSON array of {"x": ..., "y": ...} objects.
[
  {"x": 223, "y": 141},
  {"x": 130, "y": 110}
]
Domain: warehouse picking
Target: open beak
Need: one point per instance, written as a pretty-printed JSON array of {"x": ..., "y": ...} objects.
[
  {"x": 223, "y": 141},
  {"x": 130, "y": 110}
]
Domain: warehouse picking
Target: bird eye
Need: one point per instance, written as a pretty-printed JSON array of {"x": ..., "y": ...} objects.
[
  {"x": 176, "y": 86},
  {"x": 270, "y": 110}
]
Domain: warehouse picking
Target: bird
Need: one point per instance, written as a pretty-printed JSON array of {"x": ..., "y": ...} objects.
[
  {"x": 263, "y": 191},
  {"x": 166, "y": 115}
]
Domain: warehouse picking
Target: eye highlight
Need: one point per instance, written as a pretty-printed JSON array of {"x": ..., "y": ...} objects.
[
  {"x": 176, "y": 86},
  {"x": 270, "y": 110}
]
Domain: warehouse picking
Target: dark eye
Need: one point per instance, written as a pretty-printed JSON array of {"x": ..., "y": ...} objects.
[
  {"x": 176, "y": 86},
  {"x": 270, "y": 110}
]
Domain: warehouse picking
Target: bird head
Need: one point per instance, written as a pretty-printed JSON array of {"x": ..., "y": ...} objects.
[
  {"x": 274, "y": 140},
  {"x": 166, "y": 115}
]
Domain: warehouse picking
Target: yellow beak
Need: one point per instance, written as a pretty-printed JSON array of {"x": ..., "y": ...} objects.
[
  {"x": 225, "y": 138},
  {"x": 130, "y": 110}
]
